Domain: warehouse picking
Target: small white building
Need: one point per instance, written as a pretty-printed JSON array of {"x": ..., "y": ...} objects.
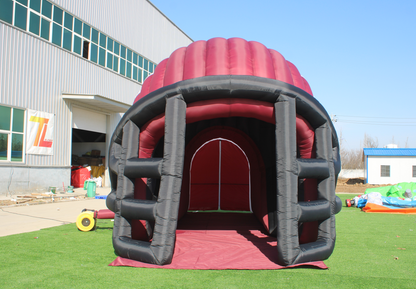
[{"x": 390, "y": 165}]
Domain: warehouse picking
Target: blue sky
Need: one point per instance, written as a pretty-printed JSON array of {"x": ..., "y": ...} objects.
[{"x": 358, "y": 56}]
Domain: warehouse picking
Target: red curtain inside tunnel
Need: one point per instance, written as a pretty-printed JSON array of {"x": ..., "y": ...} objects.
[{"x": 220, "y": 177}]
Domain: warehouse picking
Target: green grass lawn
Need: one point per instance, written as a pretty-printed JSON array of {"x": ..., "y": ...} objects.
[{"x": 371, "y": 251}]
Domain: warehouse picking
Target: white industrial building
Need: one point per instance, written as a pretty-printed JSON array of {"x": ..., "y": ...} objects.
[
  {"x": 69, "y": 70},
  {"x": 390, "y": 165}
]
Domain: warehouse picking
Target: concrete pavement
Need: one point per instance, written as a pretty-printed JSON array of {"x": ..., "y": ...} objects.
[{"x": 28, "y": 218}]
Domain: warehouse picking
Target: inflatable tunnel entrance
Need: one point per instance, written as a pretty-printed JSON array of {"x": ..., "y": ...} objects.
[
  {"x": 225, "y": 125},
  {"x": 219, "y": 177}
]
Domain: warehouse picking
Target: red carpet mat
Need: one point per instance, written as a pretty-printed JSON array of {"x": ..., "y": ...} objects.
[{"x": 221, "y": 241}]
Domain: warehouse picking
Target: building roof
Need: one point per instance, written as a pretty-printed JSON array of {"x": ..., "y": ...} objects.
[{"x": 390, "y": 152}]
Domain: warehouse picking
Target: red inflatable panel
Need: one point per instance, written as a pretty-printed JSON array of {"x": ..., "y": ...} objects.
[
  {"x": 205, "y": 178},
  {"x": 174, "y": 67},
  {"x": 157, "y": 78},
  {"x": 262, "y": 60},
  {"x": 307, "y": 86},
  {"x": 195, "y": 60},
  {"x": 281, "y": 68},
  {"x": 297, "y": 78},
  {"x": 235, "y": 178},
  {"x": 217, "y": 57},
  {"x": 240, "y": 61}
]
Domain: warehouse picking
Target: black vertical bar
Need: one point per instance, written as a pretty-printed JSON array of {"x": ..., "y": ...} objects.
[
  {"x": 167, "y": 207},
  {"x": 326, "y": 187},
  {"x": 322, "y": 248},
  {"x": 287, "y": 180},
  {"x": 125, "y": 186}
]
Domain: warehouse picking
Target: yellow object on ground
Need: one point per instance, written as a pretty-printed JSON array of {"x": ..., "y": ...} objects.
[
  {"x": 86, "y": 222},
  {"x": 97, "y": 171}
]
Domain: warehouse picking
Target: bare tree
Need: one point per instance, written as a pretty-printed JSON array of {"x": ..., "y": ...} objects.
[
  {"x": 353, "y": 159},
  {"x": 370, "y": 142}
]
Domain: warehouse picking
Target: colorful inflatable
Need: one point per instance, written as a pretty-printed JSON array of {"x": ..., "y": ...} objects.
[
  {"x": 225, "y": 125},
  {"x": 396, "y": 199}
]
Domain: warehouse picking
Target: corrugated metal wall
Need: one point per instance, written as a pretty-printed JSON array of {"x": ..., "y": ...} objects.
[{"x": 135, "y": 23}]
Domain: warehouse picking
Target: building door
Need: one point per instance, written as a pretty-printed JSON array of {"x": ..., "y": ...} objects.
[{"x": 89, "y": 140}]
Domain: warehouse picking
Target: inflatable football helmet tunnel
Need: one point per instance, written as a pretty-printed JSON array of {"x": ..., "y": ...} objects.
[{"x": 234, "y": 107}]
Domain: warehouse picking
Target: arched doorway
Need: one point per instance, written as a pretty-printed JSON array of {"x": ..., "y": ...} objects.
[{"x": 220, "y": 177}]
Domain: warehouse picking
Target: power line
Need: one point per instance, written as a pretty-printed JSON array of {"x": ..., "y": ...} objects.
[
  {"x": 374, "y": 120},
  {"x": 383, "y": 117}
]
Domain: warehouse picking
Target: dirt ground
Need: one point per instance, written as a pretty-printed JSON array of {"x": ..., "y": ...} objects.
[
  {"x": 353, "y": 186},
  {"x": 35, "y": 200}
]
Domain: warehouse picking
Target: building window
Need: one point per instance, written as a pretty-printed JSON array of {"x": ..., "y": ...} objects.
[
  {"x": 139, "y": 77},
  {"x": 86, "y": 49},
  {"x": 44, "y": 31},
  {"x": 94, "y": 35},
  {"x": 34, "y": 24},
  {"x": 77, "y": 44},
  {"x": 20, "y": 17},
  {"x": 135, "y": 72},
  {"x": 56, "y": 34},
  {"x": 11, "y": 134},
  {"x": 385, "y": 171},
  {"x": 57, "y": 15},
  {"x": 68, "y": 21},
  {"x": 86, "y": 31},
  {"x": 123, "y": 51},
  {"x": 101, "y": 58},
  {"x": 94, "y": 53},
  {"x": 140, "y": 61},
  {"x": 414, "y": 171},
  {"x": 116, "y": 48},
  {"x": 35, "y": 5},
  {"x": 47, "y": 9},
  {"x": 78, "y": 26},
  {"x": 122, "y": 67},
  {"x": 110, "y": 44},
  {"x": 128, "y": 70},
  {"x": 115, "y": 67},
  {"x": 129, "y": 53},
  {"x": 67, "y": 43},
  {"x": 24, "y": 2},
  {"x": 103, "y": 40},
  {"x": 6, "y": 11},
  {"x": 109, "y": 60},
  {"x": 146, "y": 64}
]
